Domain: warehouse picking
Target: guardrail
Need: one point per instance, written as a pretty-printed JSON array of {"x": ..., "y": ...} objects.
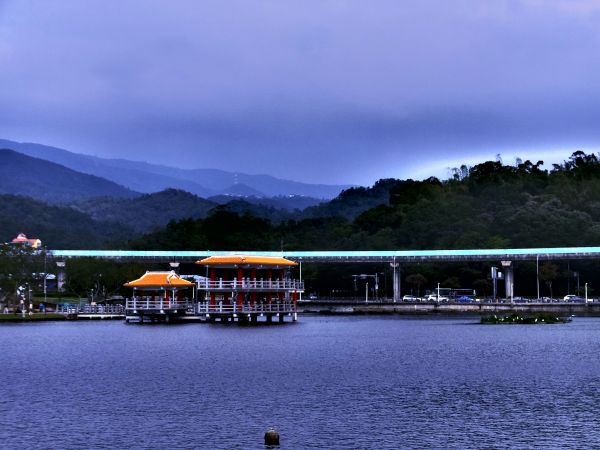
[
  {"x": 251, "y": 284},
  {"x": 67, "y": 308}
]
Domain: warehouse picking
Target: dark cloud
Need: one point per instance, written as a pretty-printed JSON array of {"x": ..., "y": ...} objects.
[{"x": 338, "y": 91}]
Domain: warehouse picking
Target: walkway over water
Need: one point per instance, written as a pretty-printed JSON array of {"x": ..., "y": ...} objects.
[{"x": 512, "y": 254}]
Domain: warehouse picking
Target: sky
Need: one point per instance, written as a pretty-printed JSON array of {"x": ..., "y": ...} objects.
[{"x": 328, "y": 91}]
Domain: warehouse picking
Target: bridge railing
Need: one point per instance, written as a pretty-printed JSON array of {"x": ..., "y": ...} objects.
[{"x": 251, "y": 284}]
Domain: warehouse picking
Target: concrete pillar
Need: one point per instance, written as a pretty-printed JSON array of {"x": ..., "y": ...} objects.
[
  {"x": 396, "y": 280},
  {"x": 508, "y": 279},
  {"x": 60, "y": 280}
]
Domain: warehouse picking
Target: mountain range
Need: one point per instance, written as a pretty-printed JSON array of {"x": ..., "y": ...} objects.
[
  {"x": 143, "y": 177},
  {"x": 69, "y": 208},
  {"x": 50, "y": 182}
]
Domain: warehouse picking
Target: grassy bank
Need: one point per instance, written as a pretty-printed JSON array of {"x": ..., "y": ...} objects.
[{"x": 32, "y": 318}]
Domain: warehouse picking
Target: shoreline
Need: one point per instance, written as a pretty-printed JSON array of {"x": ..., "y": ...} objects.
[{"x": 448, "y": 309}]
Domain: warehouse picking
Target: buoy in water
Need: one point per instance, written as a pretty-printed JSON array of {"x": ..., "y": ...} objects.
[{"x": 272, "y": 437}]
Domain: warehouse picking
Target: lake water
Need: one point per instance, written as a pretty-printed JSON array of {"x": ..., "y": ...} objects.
[{"x": 324, "y": 382}]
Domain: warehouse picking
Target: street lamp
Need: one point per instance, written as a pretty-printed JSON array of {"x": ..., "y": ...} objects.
[
  {"x": 45, "y": 278},
  {"x": 174, "y": 266},
  {"x": 364, "y": 276}
]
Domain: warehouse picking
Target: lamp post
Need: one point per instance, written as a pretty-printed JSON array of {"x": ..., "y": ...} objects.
[
  {"x": 537, "y": 274},
  {"x": 586, "y": 297},
  {"x": 45, "y": 278},
  {"x": 364, "y": 276},
  {"x": 438, "y": 293}
]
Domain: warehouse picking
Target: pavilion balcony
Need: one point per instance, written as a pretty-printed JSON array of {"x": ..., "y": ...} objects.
[
  {"x": 257, "y": 308},
  {"x": 156, "y": 305},
  {"x": 249, "y": 285}
]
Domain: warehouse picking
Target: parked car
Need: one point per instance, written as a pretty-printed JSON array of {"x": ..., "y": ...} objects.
[
  {"x": 410, "y": 298},
  {"x": 464, "y": 299},
  {"x": 435, "y": 298},
  {"x": 573, "y": 298}
]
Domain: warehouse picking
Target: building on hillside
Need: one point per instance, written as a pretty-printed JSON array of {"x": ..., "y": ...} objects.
[{"x": 24, "y": 240}]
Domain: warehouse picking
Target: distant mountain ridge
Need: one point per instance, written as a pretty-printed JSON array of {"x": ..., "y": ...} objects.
[
  {"x": 147, "y": 178},
  {"x": 50, "y": 182}
]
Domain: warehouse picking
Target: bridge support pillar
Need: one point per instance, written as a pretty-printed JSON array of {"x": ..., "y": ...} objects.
[
  {"x": 61, "y": 276},
  {"x": 396, "y": 282},
  {"x": 509, "y": 283}
]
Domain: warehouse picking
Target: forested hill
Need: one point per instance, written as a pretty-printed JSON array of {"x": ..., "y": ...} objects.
[
  {"x": 490, "y": 205},
  {"x": 57, "y": 227}
]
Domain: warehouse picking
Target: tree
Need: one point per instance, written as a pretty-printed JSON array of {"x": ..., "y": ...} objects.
[
  {"x": 548, "y": 273},
  {"x": 483, "y": 286},
  {"x": 417, "y": 280},
  {"x": 20, "y": 266}
]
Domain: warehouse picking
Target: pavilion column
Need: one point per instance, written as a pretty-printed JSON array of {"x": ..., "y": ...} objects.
[
  {"x": 213, "y": 278},
  {"x": 225, "y": 294},
  {"x": 240, "y": 279},
  {"x": 281, "y": 275},
  {"x": 253, "y": 294},
  {"x": 269, "y": 281}
]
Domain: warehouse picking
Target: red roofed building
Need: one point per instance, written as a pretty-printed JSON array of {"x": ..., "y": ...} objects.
[{"x": 23, "y": 239}]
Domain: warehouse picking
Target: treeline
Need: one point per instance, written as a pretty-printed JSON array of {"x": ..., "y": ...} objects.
[{"x": 489, "y": 205}]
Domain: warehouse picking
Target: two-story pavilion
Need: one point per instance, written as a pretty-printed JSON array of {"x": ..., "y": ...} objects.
[{"x": 246, "y": 288}]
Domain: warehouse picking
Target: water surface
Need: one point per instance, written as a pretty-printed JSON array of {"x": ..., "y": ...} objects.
[{"x": 325, "y": 382}]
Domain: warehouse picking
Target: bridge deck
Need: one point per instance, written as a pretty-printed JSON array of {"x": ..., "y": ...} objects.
[{"x": 513, "y": 254}]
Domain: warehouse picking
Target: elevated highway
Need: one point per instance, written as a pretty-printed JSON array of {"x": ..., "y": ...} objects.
[
  {"x": 505, "y": 257},
  {"x": 362, "y": 256}
]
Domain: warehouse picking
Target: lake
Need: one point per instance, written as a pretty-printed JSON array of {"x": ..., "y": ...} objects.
[{"x": 324, "y": 382}]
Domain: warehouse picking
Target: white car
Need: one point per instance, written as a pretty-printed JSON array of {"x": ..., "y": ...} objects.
[
  {"x": 435, "y": 298},
  {"x": 410, "y": 298}
]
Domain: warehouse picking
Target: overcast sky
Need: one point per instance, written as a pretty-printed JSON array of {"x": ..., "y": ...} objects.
[{"x": 323, "y": 91}]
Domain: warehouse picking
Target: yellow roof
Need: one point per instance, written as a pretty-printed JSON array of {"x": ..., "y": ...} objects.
[
  {"x": 159, "y": 279},
  {"x": 246, "y": 260}
]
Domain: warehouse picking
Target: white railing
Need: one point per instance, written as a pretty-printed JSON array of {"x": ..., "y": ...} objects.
[
  {"x": 157, "y": 304},
  {"x": 207, "y": 308},
  {"x": 90, "y": 309},
  {"x": 147, "y": 304},
  {"x": 247, "y": 283}
]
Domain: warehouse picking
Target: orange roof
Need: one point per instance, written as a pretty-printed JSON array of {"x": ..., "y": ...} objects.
[
  {"x": 159, "y": 279},
  {"x": 246, "y": 260}
]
